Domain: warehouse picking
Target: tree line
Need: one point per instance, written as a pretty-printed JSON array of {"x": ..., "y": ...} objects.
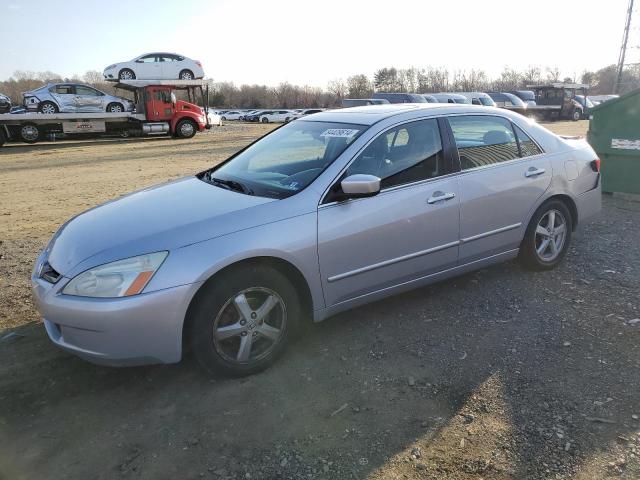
[{"x": 388, "y": 79}]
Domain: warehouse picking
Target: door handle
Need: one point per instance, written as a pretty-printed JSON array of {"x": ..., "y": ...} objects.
[
  {"x": 440, "y": 197},
  {"x": 534, "y": 172}
]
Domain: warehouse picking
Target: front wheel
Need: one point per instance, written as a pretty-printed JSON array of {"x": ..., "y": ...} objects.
[
  {"x": 548, "y": 236},
  {"x": 48, "y": 108},
  {"x": 576, "y": 115},
  {"x": 241, "y": 324},
  {"x": 186, "y": 128},
  {"x": 126, "y": 74}
]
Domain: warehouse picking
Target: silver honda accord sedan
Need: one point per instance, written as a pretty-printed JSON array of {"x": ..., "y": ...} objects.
[{"x": 326, "y": 213}]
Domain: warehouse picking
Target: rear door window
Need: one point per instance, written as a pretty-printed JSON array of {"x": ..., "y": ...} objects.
[
  {"x": 483, "y": 140},
  {"x": 528, "y": 147}
]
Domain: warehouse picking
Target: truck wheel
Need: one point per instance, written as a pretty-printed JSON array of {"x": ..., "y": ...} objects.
[
  {"x": 186, "y": 128},
  {"x": 576, "y": 115},
  {"x": 30, "y": 133},
  {"x": 48, "y": 108},
  {"x": 186, "y": 75},
  {"x": 126, "y": 74},
  {"x": 115, "y": 108}
]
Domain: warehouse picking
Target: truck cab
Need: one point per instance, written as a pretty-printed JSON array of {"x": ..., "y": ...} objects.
[{"x": 166, "y": 114}]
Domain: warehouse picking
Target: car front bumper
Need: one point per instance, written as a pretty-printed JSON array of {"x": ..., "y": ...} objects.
[{"x": 137, "y": 330}]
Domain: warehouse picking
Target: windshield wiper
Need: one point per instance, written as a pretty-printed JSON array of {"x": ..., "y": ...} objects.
[{"x": 231, "y": 185}]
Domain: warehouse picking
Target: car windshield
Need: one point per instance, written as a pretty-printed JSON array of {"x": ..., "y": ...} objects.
[
  {"x": 487, "y": 102},
  {"x": 526, "y": 95},
  {"x": 285, "y": 161}
]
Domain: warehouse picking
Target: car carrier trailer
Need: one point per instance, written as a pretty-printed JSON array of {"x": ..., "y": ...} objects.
[
  {"x": 558, "y": 101},
  {"x": 158, "y": 112}
]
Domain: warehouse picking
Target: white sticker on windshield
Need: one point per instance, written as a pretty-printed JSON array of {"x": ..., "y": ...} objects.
[{"x": 339, "y": 132}]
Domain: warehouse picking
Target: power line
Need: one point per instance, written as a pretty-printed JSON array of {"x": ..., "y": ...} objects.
[{"x": 623, "y": 49}]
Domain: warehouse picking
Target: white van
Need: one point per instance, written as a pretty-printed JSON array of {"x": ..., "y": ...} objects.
[
  {"x": 478, "y": 98},
  {"x": 450, "y": 98}
]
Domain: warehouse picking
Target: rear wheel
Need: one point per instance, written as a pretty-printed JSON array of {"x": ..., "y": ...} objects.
[
  {"x": 48, "y": 108},
  {"x": 186, "y": 75},
  {"x": 115, "y": 108},
  {"x": 30, "y": 133},
  {"x": 548, "y": 236},
  {"x": 126, "y": 74},
  {"x": 576, "y": 115},
  {"x": 242, "y": 322},
  {"x": 223, "y": 118},
  {"x": 264, "y": 120},
  {"x": 186, "y": 128}
]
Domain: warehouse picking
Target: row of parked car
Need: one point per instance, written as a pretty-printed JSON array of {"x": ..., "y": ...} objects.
[
  {"x": 266, "y": 116},
  {"x": 556, "y": 100}
]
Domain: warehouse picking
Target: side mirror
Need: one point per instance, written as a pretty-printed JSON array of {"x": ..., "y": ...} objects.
[{"x": 360, "y": 185}]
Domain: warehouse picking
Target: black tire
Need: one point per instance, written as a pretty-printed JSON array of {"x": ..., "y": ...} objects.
[
  {"x": 30, "y": 133},
  {"x": 186, "y": 75},
  {"x": 576, "y": 115},
  {"x": 186, "y": 128},
  {"x": 529, "y": 249},
  {"x": 48, "y": 107},
  {"x": 223, "y": 118},
  {"x": 126, "y": 74},
  {"x": 264, "y": 120},
  {"x": 287, "y": 120},
  {"x": 209, "y": 309},
  {"x": 115, "y": 107}
]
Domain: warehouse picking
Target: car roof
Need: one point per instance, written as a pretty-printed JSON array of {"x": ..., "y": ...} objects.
[{"x": 370, "y": 114}]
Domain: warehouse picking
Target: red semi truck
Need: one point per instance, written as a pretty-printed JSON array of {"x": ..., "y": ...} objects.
[{"x": 158, "y": 112}]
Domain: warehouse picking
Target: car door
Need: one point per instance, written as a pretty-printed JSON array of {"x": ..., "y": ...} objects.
[
  {"x": 169, "y": 66},
  {"x": 88, "y": 99},
  {"x": 64, "y": 95},
  {"x": 148, "y": 67},
  {"x": 503, "y": 174},
  {"x": 407, "y": 231}
]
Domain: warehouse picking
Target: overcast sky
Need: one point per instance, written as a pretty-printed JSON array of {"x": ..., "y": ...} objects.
[{"x": 311, "y": 41}]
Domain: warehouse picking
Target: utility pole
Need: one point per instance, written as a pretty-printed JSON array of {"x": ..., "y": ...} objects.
[{"x": 623, "y": 49}]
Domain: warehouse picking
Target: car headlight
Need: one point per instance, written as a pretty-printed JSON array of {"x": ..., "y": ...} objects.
[{"x": 122, "y": 278}]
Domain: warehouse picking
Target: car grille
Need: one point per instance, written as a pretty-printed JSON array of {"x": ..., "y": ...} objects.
[{"x": 48, "y": 274}]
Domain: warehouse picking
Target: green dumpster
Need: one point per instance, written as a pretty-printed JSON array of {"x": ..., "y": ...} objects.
[{"x": 614, "y": 133}]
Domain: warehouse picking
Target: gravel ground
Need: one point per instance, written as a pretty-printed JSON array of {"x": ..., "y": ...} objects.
[{"x": 501, "y": 373}]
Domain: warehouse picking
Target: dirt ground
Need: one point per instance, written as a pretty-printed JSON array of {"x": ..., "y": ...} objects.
[{"x": 501, "y": 373}]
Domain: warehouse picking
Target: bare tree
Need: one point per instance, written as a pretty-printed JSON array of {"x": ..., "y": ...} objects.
[
  {"x": 338, "y": 87},
  {"x": 359, "y": 86},
  {"x": 553, "y": 74}
]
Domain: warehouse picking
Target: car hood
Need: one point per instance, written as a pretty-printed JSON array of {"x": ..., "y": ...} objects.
[{"x": 160, "y": 218}]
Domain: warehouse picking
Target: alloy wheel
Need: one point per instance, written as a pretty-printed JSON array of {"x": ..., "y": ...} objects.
[
  {"x": 249, "y": 325},
  {"x": 49, "y": 108},
  {"x": 115, "y": 109},
  {"x": 551, "y": 233},
  {"x": 126, "y": 75}
]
